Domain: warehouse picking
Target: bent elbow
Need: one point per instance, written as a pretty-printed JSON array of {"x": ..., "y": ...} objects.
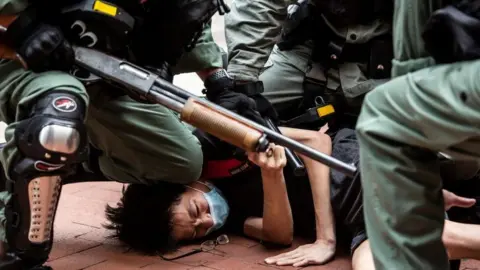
[
  {"x": 287, "y": 241},
  {"x": 319, "y": 141}
]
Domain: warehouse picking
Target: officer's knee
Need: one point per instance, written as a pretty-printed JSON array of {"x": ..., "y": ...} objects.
[
  {"x": 187, "y": 167},
  {"x": 51, "y": 141},
  {"x": 192, "y": 168},
  {"x": 54, "y": 133}
]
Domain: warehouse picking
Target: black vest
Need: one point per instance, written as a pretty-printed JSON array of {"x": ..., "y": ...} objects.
[
  {"x": 355, "y": 11},
  {"x": 146, "y": 32},
  {"x": 171, "y": 27}
]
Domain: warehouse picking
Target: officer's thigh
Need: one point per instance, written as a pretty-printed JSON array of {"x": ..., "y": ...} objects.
[
  {"x": 141, "y": 143},
  {"x": 283, "y": 76},
  {"x": 20, "y": 91}
]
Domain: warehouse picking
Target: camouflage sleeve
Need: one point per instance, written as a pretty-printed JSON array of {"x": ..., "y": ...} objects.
[
  {"x": 205, "y": 54},
  {"x": 8, "y": 7},
  {"x": 251, "y": 31},
  {"x": 408, "y": 22}
]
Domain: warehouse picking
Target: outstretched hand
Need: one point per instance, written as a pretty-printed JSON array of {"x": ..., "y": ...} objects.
[
  {"x": 452, "y": 200},
  {"x": 317, "y": 253}
]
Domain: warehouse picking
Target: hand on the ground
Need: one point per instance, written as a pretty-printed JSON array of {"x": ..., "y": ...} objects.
[
  {"x": 452, "y": 200},
  {"x": 273, "y": 159},
  {"x": 319, "y": 252}
]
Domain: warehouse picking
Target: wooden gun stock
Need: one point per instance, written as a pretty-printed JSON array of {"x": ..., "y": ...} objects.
[{"x": 226, "y": 128}]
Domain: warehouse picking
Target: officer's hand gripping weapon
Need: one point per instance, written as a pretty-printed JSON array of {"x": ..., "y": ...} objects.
[
  {"x": 196, "y": 111},
  {"x": 211, "y": 118}
]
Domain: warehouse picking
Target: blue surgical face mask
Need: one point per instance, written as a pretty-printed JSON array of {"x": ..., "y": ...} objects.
[{"x": 219, "y": 208}]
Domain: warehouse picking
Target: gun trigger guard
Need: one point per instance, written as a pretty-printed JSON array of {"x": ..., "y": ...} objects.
[{"x": 84, "y": 76}]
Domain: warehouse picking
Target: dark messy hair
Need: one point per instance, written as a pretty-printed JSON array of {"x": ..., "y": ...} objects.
[{"x": 142, "y": 218}]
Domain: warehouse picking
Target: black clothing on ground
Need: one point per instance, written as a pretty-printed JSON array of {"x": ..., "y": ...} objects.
[{"x": 244, "y": 193}]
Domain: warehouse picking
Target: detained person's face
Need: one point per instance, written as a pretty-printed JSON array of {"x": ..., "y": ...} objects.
[{"x": 191, "y": 218}]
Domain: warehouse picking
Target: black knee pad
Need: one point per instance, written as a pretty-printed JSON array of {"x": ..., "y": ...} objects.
[
  {"x": 52, "y": 141},
  {"x": 54, "y": 133}
]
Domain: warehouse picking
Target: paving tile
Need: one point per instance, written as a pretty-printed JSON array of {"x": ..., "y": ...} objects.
[
  {"x": 111, "y": 185},
  {"x": 98, "y": 194},
  {"x": 111, "y": 265},
  {"x": 80, "y": 260},
  {"x": 71, "y": 204},
  {"x": 65, "y": 247},
  {"x": 122, "y": 261},
  {"x": 200, "y": 259},
  {"x": 237, "y": 264},
  {"x": 100, "y": 235},
  {"x": 338, "y": 264},
  {"x": 242, "y": 241},
  {"x": 73, "y": 188},
  {"x": 64, "y": 229},
  {"x": 83, "y": 217},
  {"x": 161, "y": 265}
]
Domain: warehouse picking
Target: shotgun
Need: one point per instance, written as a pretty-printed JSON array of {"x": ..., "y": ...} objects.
[{"x": 207, "y": 116}]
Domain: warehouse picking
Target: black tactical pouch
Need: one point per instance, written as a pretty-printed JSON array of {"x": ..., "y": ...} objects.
[
  {"x": 172, "y": 27},
  {"x": 381, "y": 55},
  {"x": 298, "y": 27}
]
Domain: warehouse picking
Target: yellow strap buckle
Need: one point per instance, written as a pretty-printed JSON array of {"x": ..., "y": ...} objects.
[
  {"x": 106, "y": 8},
  {"x": 325, "y": 110}
]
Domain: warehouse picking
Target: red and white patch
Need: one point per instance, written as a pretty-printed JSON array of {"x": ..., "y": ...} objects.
[
  {"x": 64, "y": 104},
  {"x": 47, "y": 167}
]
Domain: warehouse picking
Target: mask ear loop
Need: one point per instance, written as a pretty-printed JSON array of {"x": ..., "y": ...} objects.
[
  {"x": 195, "y": 189},
  {"x": 202, "y": 183},
  {"x": 209, "y": 187}
]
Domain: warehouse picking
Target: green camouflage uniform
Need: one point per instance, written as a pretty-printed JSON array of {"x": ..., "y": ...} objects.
[
  {"x": 141, "y": 143},
  {"x": 253, "y": 28},
  {"x": 425, "y": 109}
]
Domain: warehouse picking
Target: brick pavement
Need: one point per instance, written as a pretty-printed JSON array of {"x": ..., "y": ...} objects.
[
  {"x": 80, "y": 240},
  {"x": 81, "y": 243}
]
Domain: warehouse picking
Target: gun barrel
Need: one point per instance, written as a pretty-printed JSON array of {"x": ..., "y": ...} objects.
[
  {"x": 204, "y": 114},
  {"x": 294, "y": 162},
  {"x": 272, "y": 135}
]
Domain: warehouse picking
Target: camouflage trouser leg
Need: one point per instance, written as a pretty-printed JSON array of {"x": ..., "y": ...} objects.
[{"x": 403, "y": 124}]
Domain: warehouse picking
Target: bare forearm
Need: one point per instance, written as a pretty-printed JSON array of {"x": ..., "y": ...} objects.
[
  {"x": 319, "y": 176},
  {"x": 462, "y": 241},
  {"x": 277, "y": 214}
]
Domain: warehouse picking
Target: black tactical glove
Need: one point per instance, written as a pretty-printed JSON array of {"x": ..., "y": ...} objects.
[
  {"x": 239, "y": 103},
  {"x": 42, "y": 46},
  {"x": 452, "y": 33},
  {"x": 219, "y": 90},
  {"x": 254, "y": 91}
]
